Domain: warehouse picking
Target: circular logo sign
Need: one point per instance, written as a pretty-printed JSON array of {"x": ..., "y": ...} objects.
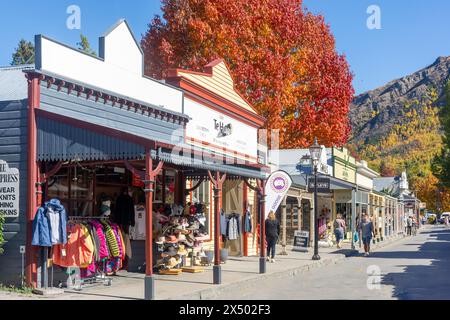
[{"x": 279, "y": 183}]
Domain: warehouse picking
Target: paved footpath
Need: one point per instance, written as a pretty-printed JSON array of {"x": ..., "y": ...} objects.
[
  {"x": 412, "y": 268},
  {"x": 294, "y": 276}
]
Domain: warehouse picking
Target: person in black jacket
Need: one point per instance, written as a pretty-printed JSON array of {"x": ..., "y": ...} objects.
[{"x": 272, "y": 232}]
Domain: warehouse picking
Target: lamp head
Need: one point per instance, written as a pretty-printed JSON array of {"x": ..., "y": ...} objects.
[{"x": 315, "y": 150}]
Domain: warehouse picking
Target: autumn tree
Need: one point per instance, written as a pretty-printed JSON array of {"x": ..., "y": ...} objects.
[
  {"x": 283, "y": 60},
  {"x": 441, "y": 163},
  {"x": 23, "y": 54}
]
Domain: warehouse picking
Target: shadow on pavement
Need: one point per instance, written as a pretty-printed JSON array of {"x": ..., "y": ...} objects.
[{"x": 425, "y": 282}]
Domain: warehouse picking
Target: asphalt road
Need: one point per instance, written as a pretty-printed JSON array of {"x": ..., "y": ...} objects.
[{"x": 412, "y": 268}]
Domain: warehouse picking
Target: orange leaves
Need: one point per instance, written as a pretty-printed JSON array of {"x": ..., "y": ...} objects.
[{"x": 283, "y": 60}]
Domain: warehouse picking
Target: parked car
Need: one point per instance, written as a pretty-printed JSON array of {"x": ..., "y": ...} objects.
[{"x": 443, "y": 216}]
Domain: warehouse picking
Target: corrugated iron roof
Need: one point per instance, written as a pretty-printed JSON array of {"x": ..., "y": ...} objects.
[{"x": 13, "y": 84}]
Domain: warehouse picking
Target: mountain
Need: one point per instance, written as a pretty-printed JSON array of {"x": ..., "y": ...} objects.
[
  {"x": 374, "y": 113},
  {"x": 396, "y": 127}
]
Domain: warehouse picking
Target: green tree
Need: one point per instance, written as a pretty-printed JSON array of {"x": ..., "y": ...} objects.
[
  {"x": 24, "y": 53},
  {"x": 85, "y": 46},
  {"x": 441, "y": 162}
]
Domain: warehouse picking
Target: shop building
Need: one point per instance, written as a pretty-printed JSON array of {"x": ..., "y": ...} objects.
[
  {"x": 364, "y": 185},
  {"x": 345, "y": 198},
  {"x": 398, "y": 187},
  {"x": 89, "y": 131}
]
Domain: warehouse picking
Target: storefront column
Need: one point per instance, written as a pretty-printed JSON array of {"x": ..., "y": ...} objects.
[
  {"x": 262, "y": 221},
  {"x": 353, "y": 227},
  {"x": 283, "y": 226},
  {"x": 150, "y": 176},
  {"x": 32, "y": 167},
  {"x": 217, "y": 182}
]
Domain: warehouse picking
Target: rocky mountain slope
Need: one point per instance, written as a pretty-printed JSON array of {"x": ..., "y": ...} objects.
[{"x": 373, "y": 114}]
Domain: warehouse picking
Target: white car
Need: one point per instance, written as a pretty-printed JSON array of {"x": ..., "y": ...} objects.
[{"x": 443, "y": 216}]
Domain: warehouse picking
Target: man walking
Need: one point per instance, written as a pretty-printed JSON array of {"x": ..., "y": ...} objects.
[
  {"x": 367, "y": 232},
  {"x": 409, "y": 223}
]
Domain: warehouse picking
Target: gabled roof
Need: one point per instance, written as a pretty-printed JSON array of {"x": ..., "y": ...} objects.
[
  {"x": 217, "y": 79},
  {"x": 13, "y": 84}
]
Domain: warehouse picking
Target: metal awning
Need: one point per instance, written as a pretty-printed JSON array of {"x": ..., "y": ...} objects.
[
  {"x": 204, "y": 163},
  {"x": 57, "y": 141}
]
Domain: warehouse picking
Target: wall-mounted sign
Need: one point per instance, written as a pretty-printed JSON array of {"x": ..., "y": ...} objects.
[
  {"x": 301, "y": 241},
  {"x": 344, "y": 165},
  {"x": 323, "y": 185},
  {"x": 277, "y": 186},
  {"x": 9, "y": 190},
  {"x": 215, "y": 131}
]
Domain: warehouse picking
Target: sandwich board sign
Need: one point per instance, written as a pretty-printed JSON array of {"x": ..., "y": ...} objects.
[
  {"x": 9, "y": 191},
  {"x": 301, "y": 241}
]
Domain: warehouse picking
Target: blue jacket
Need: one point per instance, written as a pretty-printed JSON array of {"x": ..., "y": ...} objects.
[{"x": 42, "y": 229}]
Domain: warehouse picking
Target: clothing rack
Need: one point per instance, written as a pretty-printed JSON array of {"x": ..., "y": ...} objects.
[{"x": 99, "y": 276}]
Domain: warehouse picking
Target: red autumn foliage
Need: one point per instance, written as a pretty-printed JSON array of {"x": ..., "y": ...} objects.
[{"x": 283, "y": 60}]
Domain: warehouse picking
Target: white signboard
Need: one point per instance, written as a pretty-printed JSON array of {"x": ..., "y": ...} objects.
[
  {"x": 9, "y": 190},
  {"x": 216, "y": 131},
  {"x": 277, "y": 186},
  {"x": 118, "y": 69}
]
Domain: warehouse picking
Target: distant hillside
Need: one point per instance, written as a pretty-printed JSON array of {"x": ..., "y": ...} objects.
[
  {"x": 374, "y": 113},
  {"x": 396, "y": 127}
]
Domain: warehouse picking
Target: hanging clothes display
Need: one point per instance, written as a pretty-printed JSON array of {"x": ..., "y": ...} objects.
[
  {"x": 233, "y": 227},
  {"x": 137, "y": 230},
  {"x": 49, "y": 225},
  {"x": 79, "y": 249},
  {"x": 124, "y": 210},
  {"x": 248, "y": 222}
]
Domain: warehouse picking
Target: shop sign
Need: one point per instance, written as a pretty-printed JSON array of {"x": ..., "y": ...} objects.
[
  {"x": 301, "y": 240},
  {"x": 212, "y": 130},
  {"x": 277, "y": 186},
  {"x": 9, "y": 190},
  {"x": 344, "y": 165},
  {"x": 323, "y": 185}
]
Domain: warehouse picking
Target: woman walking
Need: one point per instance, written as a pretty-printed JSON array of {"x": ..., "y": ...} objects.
[
  {"x": 339, "y": 229},
  {"x": 272, "y": 232}
]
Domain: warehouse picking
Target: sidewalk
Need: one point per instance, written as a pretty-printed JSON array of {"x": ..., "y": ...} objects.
[{"x": 236, "y": 273}]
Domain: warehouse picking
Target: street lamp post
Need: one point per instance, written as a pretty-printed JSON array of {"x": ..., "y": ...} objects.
[{"x": 315, "y": 151}]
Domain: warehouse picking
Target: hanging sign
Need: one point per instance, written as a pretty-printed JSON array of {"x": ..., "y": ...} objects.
[
  {"x": 277, "y": 186},
  {"x": 323, "y": 185},
  {"x": 9, "y": 190}
]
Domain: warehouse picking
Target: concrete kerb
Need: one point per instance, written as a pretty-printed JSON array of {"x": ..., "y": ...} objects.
[{"x": 212, "y": 293}]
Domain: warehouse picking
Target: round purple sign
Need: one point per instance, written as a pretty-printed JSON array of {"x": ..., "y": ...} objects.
[{"x": 278, "y": 183}]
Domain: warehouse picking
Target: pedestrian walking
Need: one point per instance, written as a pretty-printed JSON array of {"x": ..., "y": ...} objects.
[
  {"x": 409, "y": 222},
  {"x": 446, "y": 221},
  {"x": 367, "y": 231},
  {"x": 339, "y": 229},
  {"x": 272, "y": 233}
]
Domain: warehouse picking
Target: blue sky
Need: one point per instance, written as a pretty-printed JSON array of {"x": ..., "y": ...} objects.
[{"x": 414, "y": 33}]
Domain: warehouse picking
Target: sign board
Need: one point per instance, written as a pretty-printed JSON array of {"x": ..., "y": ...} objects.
[
  {"x": 9, "y": 190},
  {"x": 323, "y": 185},
  {"x": 215, "y": 131},
  {"x": 301, "y": 240},
  {"x": 277, "y": 186},
  {"x": 117, "y": 69}
]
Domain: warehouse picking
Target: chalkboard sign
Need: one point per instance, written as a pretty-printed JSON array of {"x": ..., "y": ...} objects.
[{"x": 301, "y": 241}]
